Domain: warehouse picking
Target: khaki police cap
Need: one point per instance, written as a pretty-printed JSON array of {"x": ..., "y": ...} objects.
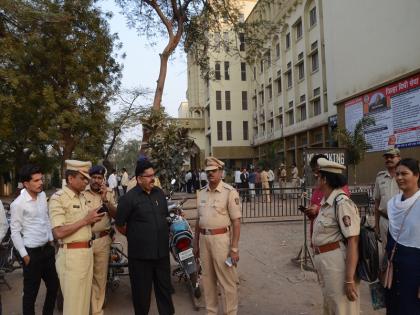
[
  {"x": 392, "y": 151},
  {"x": 213, "y": 164},
  {"x": 80, "y": 166},
  {"x": 330, "y": 166}
]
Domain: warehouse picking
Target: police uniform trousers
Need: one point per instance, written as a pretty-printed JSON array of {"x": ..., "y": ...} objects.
[
  {"x": 101, "y": 248},
  {"x": 383, "y": 228},
  {"x": 75, "y": 271},
  {"x": 331, "y": 267},
  {"x": 266, "y": 191},
  {"x": 214, "y": 250}
]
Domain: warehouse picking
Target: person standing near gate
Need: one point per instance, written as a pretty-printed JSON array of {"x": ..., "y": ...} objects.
[
  {"x": 98, "y": 195},
  {"x": 217, "y": 232},
  {"x": 385, "y": 188},
  {"x": 335, "y": 242},
  {"x": 265, "y": 185},
  {"x": 71, "y": 223},
  {"x": 141, "y": 215},
  {"x": 31, "y": 235}
]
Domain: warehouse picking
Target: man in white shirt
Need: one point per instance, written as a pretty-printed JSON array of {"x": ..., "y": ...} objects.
[
  {"x": 271, "y": 178},
  {"x": 237, "y": 178},
  {"x": 124, "y": 180},
  {"x": 112, "y": 182},
  {"x": 3, "y": 222},
  {"x": 203, "y": 179},
  {"x": 32, "y": 236}
]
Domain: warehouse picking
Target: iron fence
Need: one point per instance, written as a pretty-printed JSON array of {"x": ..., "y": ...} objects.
[{"x": 272, "y": 203}]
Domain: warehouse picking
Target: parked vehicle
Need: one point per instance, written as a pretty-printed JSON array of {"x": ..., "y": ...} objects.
[
  {"x": 181, "y": 247},
  {"x": 9, "y": 256}
]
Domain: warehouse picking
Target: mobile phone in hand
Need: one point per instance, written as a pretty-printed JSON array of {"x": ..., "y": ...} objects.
[{"x": 103, "y": 209}]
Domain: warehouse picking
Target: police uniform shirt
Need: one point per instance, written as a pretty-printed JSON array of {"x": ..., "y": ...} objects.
[
  {"x": 385, "y": 188},
  {"x": 147, "y": 228},
  {"x": 326, "y": 229},
  {"x": 94, "y": 201},
  {"x": 66, "y": 207},
  {"x": 217, "y": 208}
]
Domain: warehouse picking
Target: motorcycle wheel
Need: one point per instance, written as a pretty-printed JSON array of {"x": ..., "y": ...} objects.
[{"x": 195, "y": 290}]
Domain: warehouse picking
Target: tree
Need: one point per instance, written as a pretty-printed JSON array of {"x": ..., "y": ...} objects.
[
  {"x": 58, "y": 74},
  {"x": 168, "y": 145},
  {"x": 127, "y": 116},
  {"x": 190, "y": 22},
  {"x": 355, "y": 142}
]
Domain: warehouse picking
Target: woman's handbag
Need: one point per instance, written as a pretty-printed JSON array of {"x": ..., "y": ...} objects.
[{"x": 387, "y": 275}]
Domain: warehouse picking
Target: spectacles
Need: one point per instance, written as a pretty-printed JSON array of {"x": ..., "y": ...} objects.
[{"x": 148, "y": 176}]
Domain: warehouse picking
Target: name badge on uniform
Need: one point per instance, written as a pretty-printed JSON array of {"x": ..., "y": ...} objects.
[{"x": 76, "y": 206}]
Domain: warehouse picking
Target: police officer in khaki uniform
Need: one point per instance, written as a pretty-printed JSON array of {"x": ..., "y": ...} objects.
[
  {"x": 71, "y": 223},
  {"x": 335, "y": 242},
  {"x": 217, "y": 233},
  {"x": 385, "y": 188},
  {"x": 97, "y": 195}
]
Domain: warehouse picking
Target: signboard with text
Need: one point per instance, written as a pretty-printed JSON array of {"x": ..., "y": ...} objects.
[{"x": 396, "y": 110}]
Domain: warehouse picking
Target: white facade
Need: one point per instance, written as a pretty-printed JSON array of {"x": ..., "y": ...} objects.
[{"x": 369, "y": 43}]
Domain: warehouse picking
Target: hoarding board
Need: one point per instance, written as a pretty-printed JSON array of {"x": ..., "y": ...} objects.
[{"x": 396, "y": 110}]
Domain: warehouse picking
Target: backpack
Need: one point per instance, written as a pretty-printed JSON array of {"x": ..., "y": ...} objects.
[{"x": 368, "y": 262}]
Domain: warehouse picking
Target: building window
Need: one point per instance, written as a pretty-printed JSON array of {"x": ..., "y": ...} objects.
[
  {"x": 261, "y": 66},
  {"x": 290, "y": 118},
  {"x": 241, "y": 41},
  {"x": 316, "y": 91},
  {"x": 227, "y": 100},
  {"x": 299, "y": 31},
  {"x": 227, "y": 76},
  {"x": 255, "y": 73},
  {"x": 219, "y": 100},
  {"x": 302, "y": 110},
  {"x": 278, "y": 50},
  {"x": 301, "y": 69},
  {"x": 317, "y": 107},
  {"x": 290, "y": 104},
  {"x": 267, "y": 58},
  {"x": 289, "y": 79},
  {"x": 226, "y": 41},
  {"x": 241, "y": 17},
  {"x": 243, "y": 71},
  {"x": 244, "y": 100},
  {"x": 278, "y": 85},
  {"x": 245, "y": 130},
  {"x": 315, "y": 63},
  {"x": 312, "y": 17},
  {"x": 229, "y": 130},
  {"x": 217, "y": 75},
  {"x": 217, "y": 40},
  {"x": 287, "y": 40},
  {"x": 219, "y": 130},
  {"x": 270, "y": 92}
]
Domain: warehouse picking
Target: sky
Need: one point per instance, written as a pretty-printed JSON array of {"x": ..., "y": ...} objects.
[{"x": 142, "y": 63}]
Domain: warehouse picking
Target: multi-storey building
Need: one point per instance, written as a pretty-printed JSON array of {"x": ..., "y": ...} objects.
[
  {"x": 288, "y": 84},
  {"x": 224, "y": 98}
]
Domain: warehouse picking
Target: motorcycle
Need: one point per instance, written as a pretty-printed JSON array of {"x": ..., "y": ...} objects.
[
  {"x": 181, "y": 247},
  {"x": 9, "y": 257}
]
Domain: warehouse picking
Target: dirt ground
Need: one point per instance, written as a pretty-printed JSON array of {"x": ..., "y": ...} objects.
[{"x": 270, "y": 283}]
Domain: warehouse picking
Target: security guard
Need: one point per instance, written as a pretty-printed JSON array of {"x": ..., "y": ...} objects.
[
  {"x": 335, "y": 240},
  {"x": 385, "y": 188},
  {"x": 217, "y": 233},
  {"x": 71, "y": 224},
  {"x": 97, "y": 195}
]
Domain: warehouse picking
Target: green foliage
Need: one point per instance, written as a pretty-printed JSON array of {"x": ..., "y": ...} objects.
[
  {"x": 168, "y": 145},
  {"x": 58, "y": 73},
  {"x": 126, "y": 154},
  {"x": 355, "y": 142}
]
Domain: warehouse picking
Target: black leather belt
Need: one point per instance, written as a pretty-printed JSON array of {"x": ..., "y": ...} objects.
[{"x": 39, "y": 248}]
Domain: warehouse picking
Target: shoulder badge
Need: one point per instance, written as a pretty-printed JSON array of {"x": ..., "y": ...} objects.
[
  {"x": 346, "y": 220},
  {"x": 237, "y": 201},
  {"x": 227, "y": 186}
]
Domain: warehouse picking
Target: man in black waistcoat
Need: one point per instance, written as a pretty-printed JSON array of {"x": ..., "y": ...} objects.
[{"x": 141, "y": 216}]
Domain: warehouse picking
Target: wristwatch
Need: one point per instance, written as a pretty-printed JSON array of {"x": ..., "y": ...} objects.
[{"x": 234, "y": 249}]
